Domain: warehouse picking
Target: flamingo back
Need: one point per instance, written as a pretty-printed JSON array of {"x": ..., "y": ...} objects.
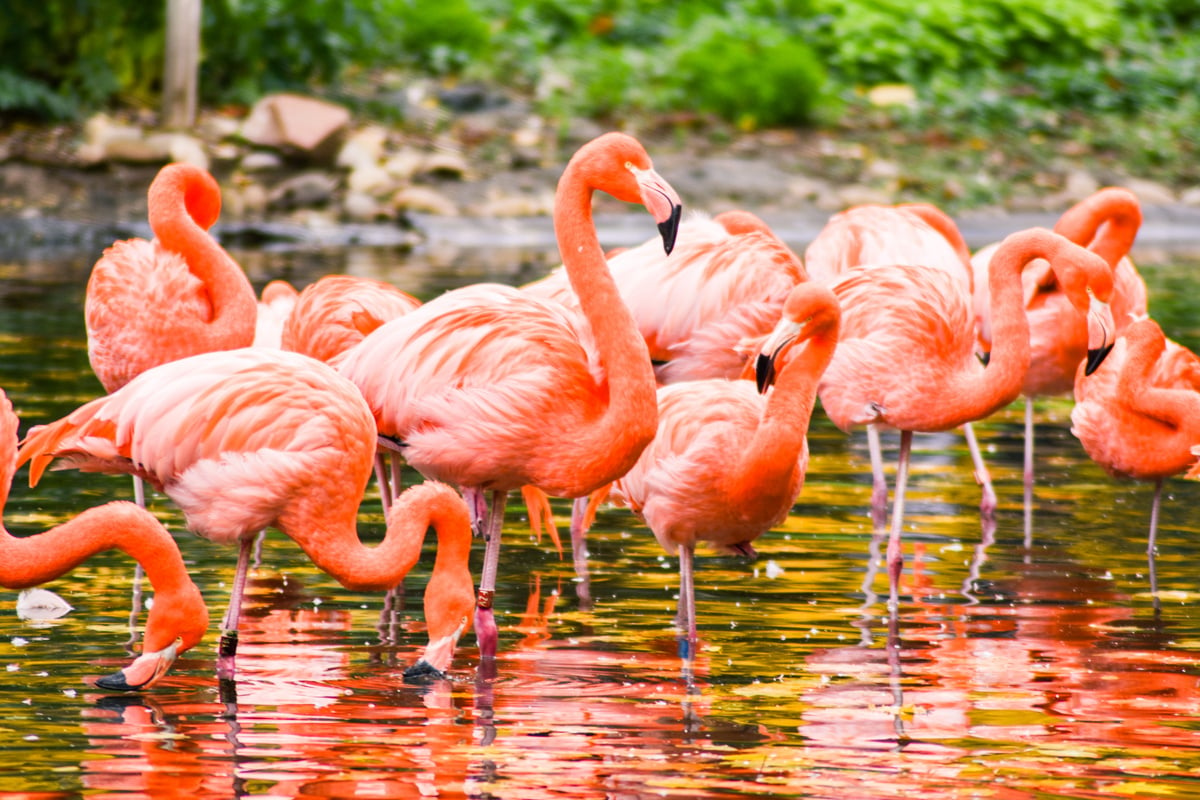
[
  {"x": 339, "y": 311},
  {"x": 232, "y": 437}
]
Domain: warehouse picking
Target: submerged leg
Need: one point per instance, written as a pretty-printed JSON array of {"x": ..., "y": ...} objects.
[
  {"x": 687, "y": 602},
  {"x": 895, "y": 557},
  {"x": 1028, "y": 472},
  {"x": 486, "y": 632},
  {"x": 227, "y": 648},
  {"x": 579, "y": 551},
  {"x": 135, "y": 603}
]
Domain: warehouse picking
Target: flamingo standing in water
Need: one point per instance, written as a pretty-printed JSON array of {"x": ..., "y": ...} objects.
[
  {"x": 704, "y": 310},
  {"x": 178, "y": 619},
  {"x": 251, "y": 438},
  {"x": 1138, "y": 416},
  {"x": 727, "y": 462},
  {"x": 915, "y": 234},
  {"x": 1106, "y": 223},
  {"x": 491, "y": 389},
  {"x": 150, "y": 302},
  {"x": 905, "y": 356}
]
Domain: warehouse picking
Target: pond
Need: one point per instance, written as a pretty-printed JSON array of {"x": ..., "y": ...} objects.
[{"x": 1009, "y": 672}]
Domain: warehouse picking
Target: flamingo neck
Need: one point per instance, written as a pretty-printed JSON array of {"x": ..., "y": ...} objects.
[
  {"x": 779, "y": 441},
  {"x": 1106, "y": 223},
  {"x": 1177, "y": 409},
  {"x": 177, "y": 200},
  {"x": 331, "y": 540},
  {"x": 629, "y": 414}
]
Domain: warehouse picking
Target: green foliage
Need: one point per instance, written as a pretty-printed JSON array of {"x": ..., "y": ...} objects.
[{"x": 751, "y": 73}]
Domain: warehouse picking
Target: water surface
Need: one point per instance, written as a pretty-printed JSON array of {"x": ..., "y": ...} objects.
[{"x": 1008, "y": 672}]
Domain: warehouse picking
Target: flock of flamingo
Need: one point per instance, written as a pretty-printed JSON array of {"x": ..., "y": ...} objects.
[{"x": 677, "y": 378}]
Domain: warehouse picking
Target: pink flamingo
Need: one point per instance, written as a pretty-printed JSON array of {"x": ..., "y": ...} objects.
[
  {"x": 703, "y": 311},
  {"x": 1138, "y": 416},
  {"x": 178, "y": 619},
  {"x": 491, "y": 389},
  {"x": 727, "y": 462},
  {"x": 905, "y": 356},
  {"x": 257, "y": 437},
  {"x": 915, "y": 234},
  {"x": 1106, "y": 223}
]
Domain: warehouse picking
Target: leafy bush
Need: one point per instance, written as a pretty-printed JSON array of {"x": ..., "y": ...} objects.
[{"x": 750, "y": 73}]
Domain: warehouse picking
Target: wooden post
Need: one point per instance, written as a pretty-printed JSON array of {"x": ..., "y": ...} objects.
[{"x": 182, "y": 63}]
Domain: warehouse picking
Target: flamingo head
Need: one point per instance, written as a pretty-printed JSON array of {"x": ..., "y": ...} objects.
[{"x": 810, "y": 310}]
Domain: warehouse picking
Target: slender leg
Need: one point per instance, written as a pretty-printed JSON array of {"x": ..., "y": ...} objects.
[
  {"x": 227, "y": 648},
  {"x": 1152, "y": 547},
  {"x": 385, "y": 487},
  {"x": 987, "y": 504},
  {"x": 895, "y": 556},
  {"x": 579, "y": 551},
  {"x": 135, "y": 605},
  {"x": 486, "y": 632},
  {"x": 477, "y": 509},
  {"x": 395, "y": 466},
  {"x": 1028, "y": 472},
  {"x": 879, "y": 480},
  {"x": 687, "y": 602}
]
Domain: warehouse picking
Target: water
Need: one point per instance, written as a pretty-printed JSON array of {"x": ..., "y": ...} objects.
[{"x": 1009, "y": 673}]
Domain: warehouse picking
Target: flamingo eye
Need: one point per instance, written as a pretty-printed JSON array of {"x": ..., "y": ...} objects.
[{"x": 629, "y": 166}]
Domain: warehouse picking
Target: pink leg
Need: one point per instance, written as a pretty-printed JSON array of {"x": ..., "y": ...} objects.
[
  {"x": 135, "y": 605},
  {"x": 987, "y": 504},
  {"x": 687, "y": 602},
  {"x": 486, "y": 632},
  {"x": 579, "y": 548},
  {"x": 1028, "y": 472},
  {"x": 895, "y": 557},
  {"x": 227, "y": 648},
  {"x": 879, "y": 480},
  {"x": 385, "y": 486},
  {"x": 477, "y": 509}
]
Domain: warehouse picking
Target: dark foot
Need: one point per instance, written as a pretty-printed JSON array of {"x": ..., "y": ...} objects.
[{"x": 422, "y": 673}]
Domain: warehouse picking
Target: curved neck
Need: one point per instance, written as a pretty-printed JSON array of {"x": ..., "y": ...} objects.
[
  {"x": 182, "y": 206},
  {"x": 779, "y": 440},
  {"x": 630, "y": 412},
  {"x": 1176, "y": 408},
  {"x": 331, "y": 539},
  {"x": 1114, "y": 214}
]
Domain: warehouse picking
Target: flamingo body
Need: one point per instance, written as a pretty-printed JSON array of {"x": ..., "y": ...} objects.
[{"x": 338, "y": 311}]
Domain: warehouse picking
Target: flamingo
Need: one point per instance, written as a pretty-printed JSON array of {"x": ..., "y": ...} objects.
[
  {"x": 1138, "y": 416},
  {"x": 257, "y": 437},
  {"x": 150, "y": 302},
  {"x": 490, "y": 389},
  {"x": 908, "y": 233},
  {"x": 179, "y": 617},
  {"x": 905, "y": 355},
  {"x": 703, "y": 311},
  {"x": 276, "y": 303},
  {"x": 727, "y": 462},
  {"x": 1106, "y": 223}
]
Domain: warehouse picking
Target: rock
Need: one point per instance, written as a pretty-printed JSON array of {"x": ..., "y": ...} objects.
[
  {"x": 362, "y": 147},
  {"x": 503, "y": 205},
  {"x": 854, "y": 195},
  {"x": 1079, "y": 184},
  {"x": 404, "y": 164},
  {"x": 260, "y": 161},
  {"x": 445, "y": 164},
  {"x": 186, "y": 148},
  {"x": 1149, "y": 193},
  {"x": 293, "y": 123},
  {"x": 360, "y": 207},
  {"x": 1190, "y": 197},
  {"x": 424, "y": 199},
  {"x": 370, "y": 179},
  {"x": 303, "y": 190}
]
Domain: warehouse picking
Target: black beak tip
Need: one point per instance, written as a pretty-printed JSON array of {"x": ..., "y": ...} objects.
[
  {"x": 422, "y": 673},
  {"x": 669, "y": 229},
  {"x": 1095, "y": 358},
  {"x": 764, "y": 372},
  {"x": 115, "y": 683},
  {"x": 984, "y": 357}
]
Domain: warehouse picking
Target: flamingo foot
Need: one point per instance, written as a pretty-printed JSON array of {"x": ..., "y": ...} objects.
[
  {"x": 987, "y": 504},
  {"x": 422, "y": 673}
]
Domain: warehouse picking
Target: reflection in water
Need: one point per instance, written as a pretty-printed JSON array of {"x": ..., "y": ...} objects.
[{"x": 1007, "y": 672}]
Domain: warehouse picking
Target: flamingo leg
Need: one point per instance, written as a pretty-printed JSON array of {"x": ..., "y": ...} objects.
[
  {"x": 987, "y": 503},
  {"x": 486, "y": 632},
  {"x": 579, "y": 551},
  {"x": 687, "y": 602},
  {"x": 135, "y": 604},
  {"x": 895, "y": 556},
  {"x": 879, "y": 480},
  {"x": 1151, "y": 547},
  {"x": 227, "y": 648},
  {"x": 385, "y": 486},
  {"x": 1028, "y": 472}
]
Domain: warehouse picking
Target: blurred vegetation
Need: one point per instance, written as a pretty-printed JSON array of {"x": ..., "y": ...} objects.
[{"x": 1108, "y": 74}]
